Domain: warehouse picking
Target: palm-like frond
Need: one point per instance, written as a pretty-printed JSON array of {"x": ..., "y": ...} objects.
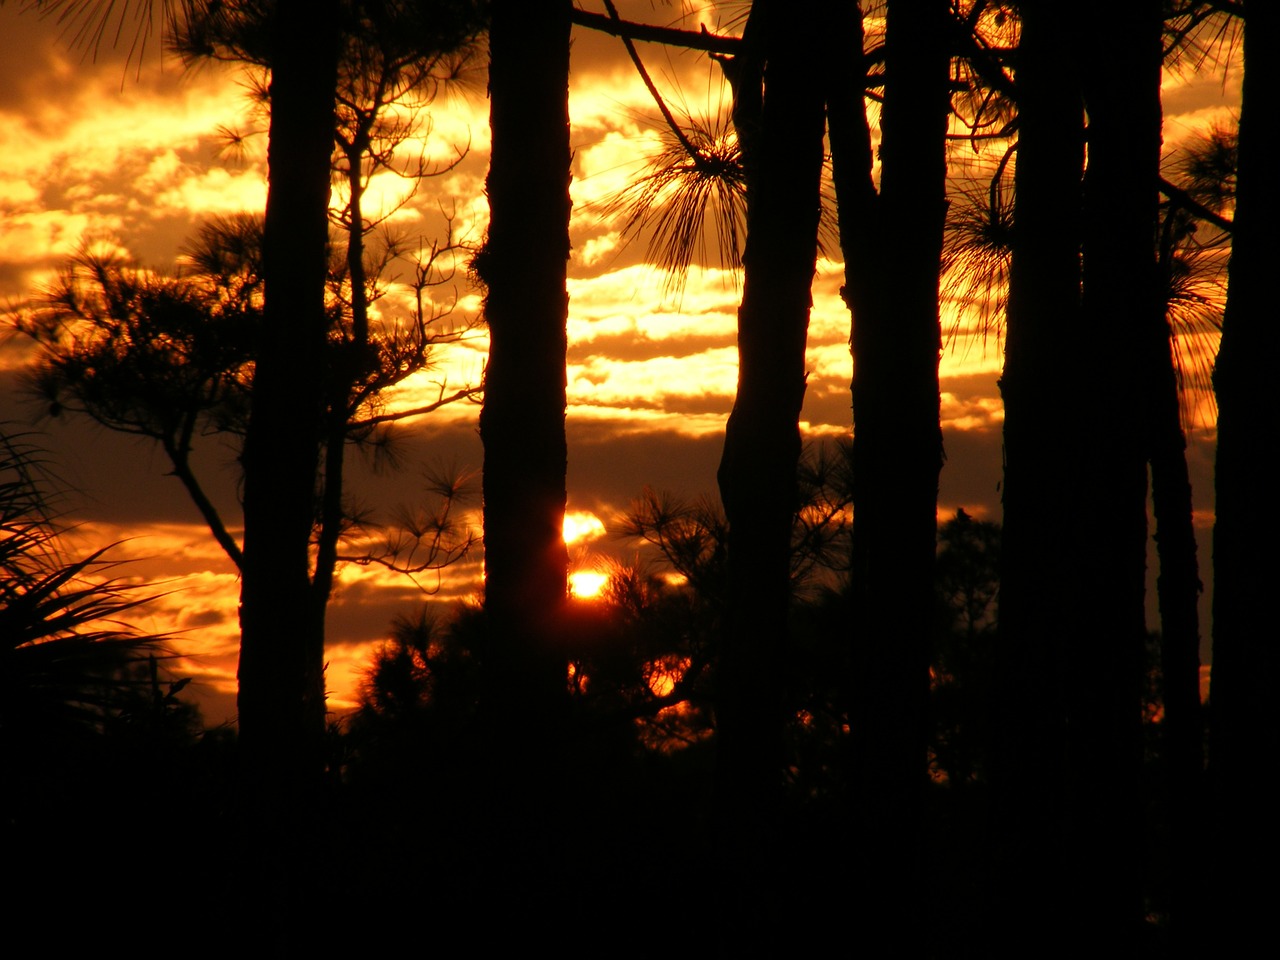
[
  {"x": 156, "y": 356},
  {"x": 691, "y": 537},
  {"x": 977, "y": 249},
  {"x": 1199, "y": 34},
  {"x": 1196, "y": 297},
  {"x": 90, "y": 23},
  {"x": 1194, "y": 253},
  {"x": 63, "y": 645},
  {"x": 1207, "y": 168},
  {"x": 685, "y": 197}
]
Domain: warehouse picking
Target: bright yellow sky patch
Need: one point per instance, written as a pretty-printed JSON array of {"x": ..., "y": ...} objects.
[
  {"x": 582, "y": 526},
  {"x": 587, "y": 584}
]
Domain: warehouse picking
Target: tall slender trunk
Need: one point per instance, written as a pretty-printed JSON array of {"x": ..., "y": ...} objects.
[
  {"x": 757, "y": 474},
  {"x": 522, "y": 423},
  {"x": 1072, "y": 594},
  {"x": 281, "y": 660},
  {"x": 1037, "y": 576},
  {"x": 281, "y": 699},
  {"x": 1178, "y": 588},
  {"x": 1122, "y": 74},
  {"x": 346, "y": 372},
  {"x": 1246, "y": 567},
  {"x": 892, "y": 246}
]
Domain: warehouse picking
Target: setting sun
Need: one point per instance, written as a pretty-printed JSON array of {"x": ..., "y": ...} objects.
[
  {"x": 316, "y": 315},
  {"x": 586, "y": 584}
]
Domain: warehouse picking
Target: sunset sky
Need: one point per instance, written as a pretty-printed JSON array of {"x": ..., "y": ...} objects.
[{"x": 133, "y": 156}]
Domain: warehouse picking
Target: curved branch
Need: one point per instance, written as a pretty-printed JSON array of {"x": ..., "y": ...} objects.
[
  {"x": 212, "y": 519},
  {"x": 354, "y": 425}
]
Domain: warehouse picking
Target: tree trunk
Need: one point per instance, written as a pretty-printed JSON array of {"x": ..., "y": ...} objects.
[
  {"x": 1036, "y": 586},
  {"x": 281, "y": 698},
  {"x": 1106, "y": 674},
  {"x": 1178, "y": 587},
  {"x": 892, "y": 248},
  {"x": 1072, "y": 596},
  {"x": 757, "y": 474},
  {"x": 1246, "y": 567},
  {"x": 522, "y": 421}
]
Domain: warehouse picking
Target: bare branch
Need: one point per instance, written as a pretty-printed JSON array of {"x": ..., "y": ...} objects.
[
  {"x": 688, "y": 39},
  {"x": 465, "y": 393}
]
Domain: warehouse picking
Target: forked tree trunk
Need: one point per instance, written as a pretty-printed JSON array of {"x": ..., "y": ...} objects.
[
  {"x": 892, "y": 244},
  {"x": 757, "y": 474},
  {"x": 897, "y": 459}
]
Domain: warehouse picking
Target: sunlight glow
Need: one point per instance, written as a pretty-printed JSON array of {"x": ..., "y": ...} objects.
[
  {"x": 663, "y": 674},
  {"x": 587, "y": 584},
  {"x": 581, "y": 526}
]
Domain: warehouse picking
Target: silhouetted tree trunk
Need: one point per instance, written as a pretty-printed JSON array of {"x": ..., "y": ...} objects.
[
  {"x": 522, "y": 423},
  {"x": 757, "y": 474},
  {"x": 1178, "y": 588},
  {"x": 1246, "y": 565},
  {"x": 1037, "y": 579},
  {"x": 281, "y": 666},
  {"x": 1122, "y": 74},
  {"x": 281, "y": 699},
  {"x": 1071, "y": 606},
  {"x": 892, "y": 244}
]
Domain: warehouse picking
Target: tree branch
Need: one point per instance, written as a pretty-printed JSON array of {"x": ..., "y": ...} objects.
[
  {"x": 1186, "y": 201},
  {"x": 679, "y": 134},
  {"x": 354, "y": 425},
  {"x": 686, "y": 39},
  {"x": 182, "y": 470}
]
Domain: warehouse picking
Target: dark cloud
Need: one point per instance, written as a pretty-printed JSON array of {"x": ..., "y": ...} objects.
[
  {"x": 630, "y": 347},
  {"x": 607, "y": 469},
  {"x": 972, "y": 473},
  {"x": 47, "y": 58}
]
